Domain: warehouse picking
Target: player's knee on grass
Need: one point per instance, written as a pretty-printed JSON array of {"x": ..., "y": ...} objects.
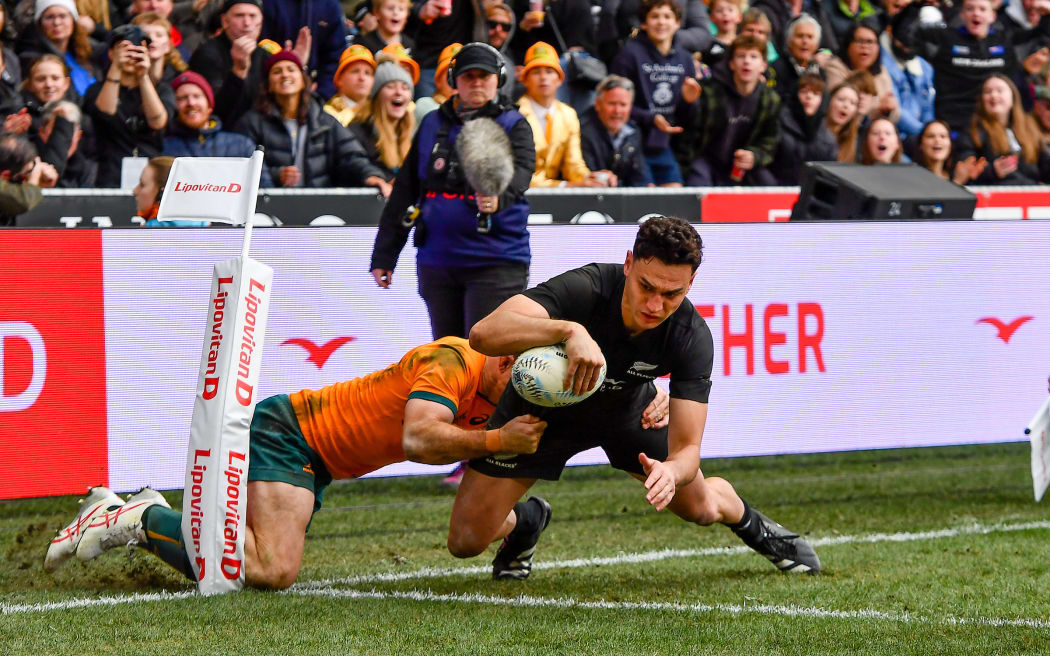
[
  {"x": 464, "y": 542},
  {"x": 272, "y": 576}
]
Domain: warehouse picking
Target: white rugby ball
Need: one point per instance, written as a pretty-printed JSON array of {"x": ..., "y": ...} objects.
[{"x": 539, "y": 374}]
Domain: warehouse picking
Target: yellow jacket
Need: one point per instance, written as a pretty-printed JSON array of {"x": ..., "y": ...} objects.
[
  {"x": 339, "y": 108},
  {"x": 561, "y": 159}
]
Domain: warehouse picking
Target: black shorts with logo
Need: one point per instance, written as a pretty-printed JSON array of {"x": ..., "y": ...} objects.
[{"x": 618, "y": 433}]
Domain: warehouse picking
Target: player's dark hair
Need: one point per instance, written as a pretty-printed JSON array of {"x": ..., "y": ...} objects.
[{"x": 670, "y": 240}]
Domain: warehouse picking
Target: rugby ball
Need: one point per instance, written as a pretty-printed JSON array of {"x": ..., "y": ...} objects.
[{"x": 539, "y": 373}]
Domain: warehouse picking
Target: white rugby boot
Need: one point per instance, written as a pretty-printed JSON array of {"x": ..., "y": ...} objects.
[
  {"x": 65, "y": 543},
  {"x": 119, "y": 527}
]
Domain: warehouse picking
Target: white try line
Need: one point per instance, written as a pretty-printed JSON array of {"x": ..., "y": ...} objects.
[
  {"x": 665, "y": 554},
  {"x": 309, "y": 587},
  {"x": 809, "y": 612}
]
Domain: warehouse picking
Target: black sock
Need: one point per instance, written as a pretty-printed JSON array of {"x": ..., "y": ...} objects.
[
  {"x": 528, "y": 515},
  {"x": 749, "y": 528}
]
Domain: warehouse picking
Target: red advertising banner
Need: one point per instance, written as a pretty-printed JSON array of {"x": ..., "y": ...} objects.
[{"x": 52, "y": 363}]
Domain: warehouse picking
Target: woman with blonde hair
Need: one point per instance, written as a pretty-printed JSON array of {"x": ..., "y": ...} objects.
[
  {"x": 843, "y": 119},
  {"x": 1001, "y": 133},
  {"x": 165, "y": 60},
  {"x": 384, "y": 125}
]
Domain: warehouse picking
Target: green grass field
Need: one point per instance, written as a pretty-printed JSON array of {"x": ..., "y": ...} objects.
[{"x": 926, "y": 551}]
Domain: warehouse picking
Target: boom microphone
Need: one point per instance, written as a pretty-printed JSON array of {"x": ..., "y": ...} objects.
[{"x": 488, "y": 162}]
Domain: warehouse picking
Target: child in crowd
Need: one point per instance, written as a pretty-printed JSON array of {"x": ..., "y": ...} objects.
[
  {"x": 735, "y": 131},
  {"x": 725, "y": 19},
  {"x": 804, "y": 133},
  {"x": 662, "y": 73},
  {"x": 882, "y": 144},
  {"x": 755, "y": 23},
  {"x": 391, "y": 18},
  {"x": 843, "y": 119},
  {"x": 353, "y": 80}
]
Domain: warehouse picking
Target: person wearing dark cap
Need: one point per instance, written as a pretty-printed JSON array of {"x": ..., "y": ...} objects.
[
  {"x": 304, "y": 145},
  {"x": 464, "y": 272},
  {"x": 232, "y": 62},
  {"x": 195, "y": 132},
  {"x": 130, "y": 113}
]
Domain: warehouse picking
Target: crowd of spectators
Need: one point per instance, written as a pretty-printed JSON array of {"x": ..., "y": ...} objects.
[{"x": 694, "y": 92}]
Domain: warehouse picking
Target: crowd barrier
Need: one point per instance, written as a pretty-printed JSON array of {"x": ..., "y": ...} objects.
[
  {"x": 828, "y": 336},
  {"x": 112, "y": 208}
]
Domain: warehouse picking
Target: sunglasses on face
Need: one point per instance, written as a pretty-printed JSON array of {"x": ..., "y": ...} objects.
[{"x": 493, "y": 25}]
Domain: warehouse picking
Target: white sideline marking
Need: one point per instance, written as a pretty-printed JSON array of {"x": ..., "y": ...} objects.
[
  {"x": 811, "y": 612},
  {"x": 10, "y": 609},
  {"x": 665, "y": 554},
  {"x": 317, "y": 587}
]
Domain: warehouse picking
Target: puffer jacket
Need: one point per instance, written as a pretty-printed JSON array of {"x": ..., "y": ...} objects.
[{"x": 334, "y": 158}]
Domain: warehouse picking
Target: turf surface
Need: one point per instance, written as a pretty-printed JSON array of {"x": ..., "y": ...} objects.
[{"x": 926, "y": 551}]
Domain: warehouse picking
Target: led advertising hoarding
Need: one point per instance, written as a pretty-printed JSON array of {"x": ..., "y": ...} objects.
[{"x": 828, "y": 337}]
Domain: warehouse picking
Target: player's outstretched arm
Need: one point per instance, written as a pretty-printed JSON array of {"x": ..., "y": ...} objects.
[
  {"x": 430, "y": 438},
  {"x": 685, "y": 430}
]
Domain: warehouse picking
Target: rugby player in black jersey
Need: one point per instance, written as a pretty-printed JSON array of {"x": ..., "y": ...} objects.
[{"x": 632, "y": 318}]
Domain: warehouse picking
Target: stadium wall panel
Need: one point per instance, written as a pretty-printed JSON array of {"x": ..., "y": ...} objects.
[{"x": 828, "y": 337}]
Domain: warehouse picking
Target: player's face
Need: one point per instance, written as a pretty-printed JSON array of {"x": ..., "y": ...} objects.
[{"x": 652, "y": 292}]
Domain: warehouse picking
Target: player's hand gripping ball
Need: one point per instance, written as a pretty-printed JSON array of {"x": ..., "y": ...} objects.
[{"x": 539, "y": 373}]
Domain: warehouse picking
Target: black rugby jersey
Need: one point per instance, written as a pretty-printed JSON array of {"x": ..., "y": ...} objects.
[{"x": 680, "y": 346}]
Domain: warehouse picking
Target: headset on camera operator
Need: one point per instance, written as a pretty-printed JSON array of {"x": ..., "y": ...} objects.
[{"x": 464, "y": 273}]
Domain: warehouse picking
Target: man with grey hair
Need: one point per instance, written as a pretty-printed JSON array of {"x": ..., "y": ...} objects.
[{"x": 610, "y": 141}]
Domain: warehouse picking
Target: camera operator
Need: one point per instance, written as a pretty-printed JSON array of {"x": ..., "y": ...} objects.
[
  {"x": 129, "y": 112},
  {"x": 463, "y": 273}
]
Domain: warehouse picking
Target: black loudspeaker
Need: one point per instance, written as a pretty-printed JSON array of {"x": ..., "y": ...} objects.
[{"x": 895, "y": 192}]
